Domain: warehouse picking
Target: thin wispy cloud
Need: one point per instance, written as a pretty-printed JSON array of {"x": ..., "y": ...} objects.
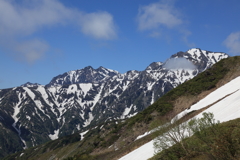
[
  {"x": 161, "y": 16},
  {"x": 156, "y": 15},
  {"x": 232, "y": 42},
  {"x": 99, "y": 25},
  {"x": 19, "y": 20}
]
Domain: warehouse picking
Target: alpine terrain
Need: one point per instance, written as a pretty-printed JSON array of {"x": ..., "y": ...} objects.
[{"x": 76, "y": 101}]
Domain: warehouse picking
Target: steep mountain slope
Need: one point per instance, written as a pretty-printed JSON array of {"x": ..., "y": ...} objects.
[
  {"x": 223, "y": 103},
  {"x": 111, "y": 140},
  {"x": 76, "y": 100}
]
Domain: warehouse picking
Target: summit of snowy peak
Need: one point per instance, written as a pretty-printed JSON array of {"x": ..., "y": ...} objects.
[
  {"x": 107, "y": 70},
  {"x": 202, "y": 59},
  {"x": 90, "y": 68},
  {"x": 197, "y": 53},
  {"x": 132, "y": 72},
  {"x": 154, "y": 66},
  {"x": 194, "y": 53},
  {"x": 85, "y": 75},
  {"x": 29, "y": 84},
  {"x": 194, "y": 50}
]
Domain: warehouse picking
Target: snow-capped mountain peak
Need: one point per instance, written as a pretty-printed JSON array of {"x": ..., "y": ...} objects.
[{"x": 75, "y": 100}]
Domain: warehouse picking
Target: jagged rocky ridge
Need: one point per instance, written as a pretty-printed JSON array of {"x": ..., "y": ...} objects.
[{"x": 76, "y": 100}]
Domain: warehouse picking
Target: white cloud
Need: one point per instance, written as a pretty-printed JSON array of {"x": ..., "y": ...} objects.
[
  {"x": 158, "y": 18},
  {"x": 177, "y": 63},
  {"x": 99, "y": 25},
  {"x": 232, "y": 42},
  {"x": 157, "y": 15},
  {"x": 26, "y": 18},
  {"x": 19, "y": 20}
]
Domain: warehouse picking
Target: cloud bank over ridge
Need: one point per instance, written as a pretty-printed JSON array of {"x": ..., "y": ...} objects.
[{"x": 178, "y": 63}]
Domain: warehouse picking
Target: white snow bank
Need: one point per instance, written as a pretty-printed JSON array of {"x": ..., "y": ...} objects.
[
  {"x": 142, "y": 153},
  {"x": 230, "y": 88},
  {"x": 227, "y": 109}
]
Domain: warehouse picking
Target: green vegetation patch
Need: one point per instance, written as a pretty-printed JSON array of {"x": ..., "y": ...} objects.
[{"x": 210, "y": 140}]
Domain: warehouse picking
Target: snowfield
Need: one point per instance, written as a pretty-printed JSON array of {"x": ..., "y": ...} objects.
[
  {"x": 144, "y": 152},
  {"x": 226, "y": 107}
]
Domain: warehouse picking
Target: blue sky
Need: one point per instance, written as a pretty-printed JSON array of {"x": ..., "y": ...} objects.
[{"x": 40, "y": 39}]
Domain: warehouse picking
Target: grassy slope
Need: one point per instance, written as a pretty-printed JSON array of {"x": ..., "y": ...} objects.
[{"x": 114, "y": 140}]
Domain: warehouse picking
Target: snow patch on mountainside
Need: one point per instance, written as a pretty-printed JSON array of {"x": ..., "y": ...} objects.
[
  {"x": 44, "y": 94},
  {"x": 89, "y": 120},
  {"x": 126, "y": 111},
  {"x": 152, "y": 98},
  {"x": 17, "y": 110},
  {"x": 72, "y": 89},
  {"x": 184, "y": 75},
  {"x": 18, "y": 128},
  {"x": 83, "y": 133},
  {"x": 29, "y": 92},
  {"x": 85, "y": 87},
  {"x": 55, "y": 135}
]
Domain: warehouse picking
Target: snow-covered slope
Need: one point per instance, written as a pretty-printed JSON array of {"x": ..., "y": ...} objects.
[
  {"x": 224, "y": 105},
  {"x": 227, "y": 98},
  {"x": 142, "y": 153}
]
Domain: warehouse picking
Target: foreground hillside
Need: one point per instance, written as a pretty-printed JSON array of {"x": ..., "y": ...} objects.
[
  {"x": 112, "y": 140},
  {"x": 223, "y": 103}
]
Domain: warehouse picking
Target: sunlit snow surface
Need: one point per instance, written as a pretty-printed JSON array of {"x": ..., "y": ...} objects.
[
  {"x": 142, "y": 153},
  {"x": 226, "y": 109},
  {"x": 55, "y": 135}
]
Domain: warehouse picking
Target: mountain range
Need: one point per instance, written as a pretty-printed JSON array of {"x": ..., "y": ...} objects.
[{"x": 76, "y": 101}]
